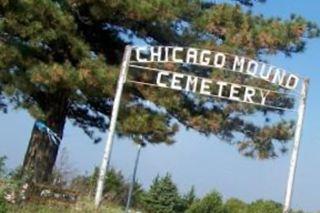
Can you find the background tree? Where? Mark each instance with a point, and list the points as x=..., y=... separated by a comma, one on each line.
x=59, y=60
x=2, y=166
x=85, y=184
x=264, y=207
x=212, y=202
x=115, y=191
x=234, y=205
x=163, y=197
x=189, y=198
x=116, y=187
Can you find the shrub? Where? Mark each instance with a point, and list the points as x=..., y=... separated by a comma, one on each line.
x=3, y=203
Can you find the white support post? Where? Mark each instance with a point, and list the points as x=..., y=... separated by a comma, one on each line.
x=296, y=144
x=112, y=127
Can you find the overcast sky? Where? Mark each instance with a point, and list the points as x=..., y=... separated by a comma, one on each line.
x=206, y=163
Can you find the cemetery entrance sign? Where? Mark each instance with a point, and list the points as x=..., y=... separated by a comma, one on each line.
x=217, y=60
x=218, y=88
x=171, y=60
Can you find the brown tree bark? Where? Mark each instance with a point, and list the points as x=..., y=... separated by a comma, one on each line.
x=41, y=153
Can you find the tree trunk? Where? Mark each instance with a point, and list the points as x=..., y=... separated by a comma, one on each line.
x=41, y=154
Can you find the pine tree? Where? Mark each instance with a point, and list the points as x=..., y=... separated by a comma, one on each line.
x=212, y=202
x=189, y=198
x=163, y=196
x=2, y=166
x=59, y=60
x=234, y=205
x=265, y=206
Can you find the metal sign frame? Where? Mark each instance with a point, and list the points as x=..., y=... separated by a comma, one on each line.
x=123, y=78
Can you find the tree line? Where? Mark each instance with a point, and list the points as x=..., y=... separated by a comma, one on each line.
x=162, y=196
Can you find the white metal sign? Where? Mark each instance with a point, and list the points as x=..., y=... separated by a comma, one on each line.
x=217, y=60
x=145, y=57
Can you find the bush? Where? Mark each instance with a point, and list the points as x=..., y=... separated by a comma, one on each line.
x=210, y=203
x=3, y=203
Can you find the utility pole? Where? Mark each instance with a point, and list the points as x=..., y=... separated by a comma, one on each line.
x=133, y=180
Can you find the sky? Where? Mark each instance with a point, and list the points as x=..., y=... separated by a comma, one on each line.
x=206, y=162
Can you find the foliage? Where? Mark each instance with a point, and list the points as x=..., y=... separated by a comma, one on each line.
x=163, y=196
x=3, y=204
x=234, y=205
x=262, y=206
x=189, y=198
x=15, y=174
x=2, y=166
x=212, y=202
x=85, y=184
x=115, y=190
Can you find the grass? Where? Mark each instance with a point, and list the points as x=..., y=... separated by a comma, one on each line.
x=84, y=205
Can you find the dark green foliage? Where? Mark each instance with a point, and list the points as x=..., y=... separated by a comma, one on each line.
x=249, y=2
x=2, y=166
x=15, y=174
x=3, y=204
x=137, y=196
x=116, y=188
x=234, y=205
x=189, y=198
x=163, y=197
x=212, y=202
x=262, y=206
